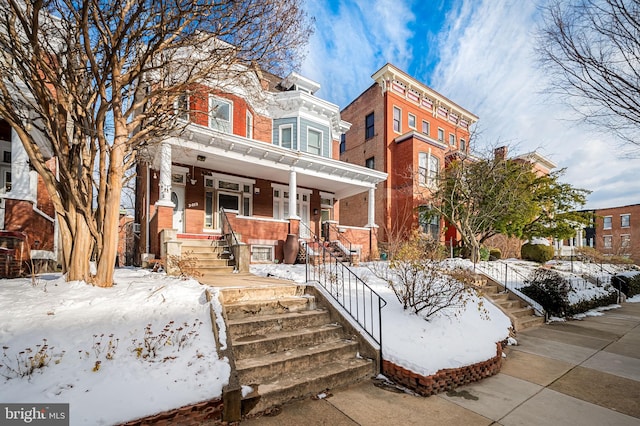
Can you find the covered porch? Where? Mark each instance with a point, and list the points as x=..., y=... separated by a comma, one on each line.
x=192, y=178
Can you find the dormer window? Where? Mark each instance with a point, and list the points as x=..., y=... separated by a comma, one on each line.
x=220, y=113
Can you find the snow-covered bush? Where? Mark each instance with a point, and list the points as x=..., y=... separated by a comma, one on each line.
x=417, y=279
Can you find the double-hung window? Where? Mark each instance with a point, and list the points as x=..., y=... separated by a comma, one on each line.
x=369, y=126
x=220, y=114
x=412, y=121
x=286, y=136
x=425, y=127
x=625, y=220
x=428, y=169
x=397, y=116
x=440, y=135
x=606, y=222
x=314, y=142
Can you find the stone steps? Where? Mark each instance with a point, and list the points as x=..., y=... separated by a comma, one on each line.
x=521, y=314
x=286, y=348
x=208, y=256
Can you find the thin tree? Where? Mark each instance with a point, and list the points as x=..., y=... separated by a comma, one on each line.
x=591, y=50
x=92, y=83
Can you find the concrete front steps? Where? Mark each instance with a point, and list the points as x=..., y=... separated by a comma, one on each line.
x=521, y=314
x=207, y=256
x=287, y=348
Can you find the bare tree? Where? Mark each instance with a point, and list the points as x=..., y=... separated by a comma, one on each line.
x=93, y=82
x=591, y=50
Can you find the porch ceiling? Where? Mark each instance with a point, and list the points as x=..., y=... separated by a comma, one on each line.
x=240, y=156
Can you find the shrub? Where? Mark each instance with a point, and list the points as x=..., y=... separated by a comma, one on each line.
x=630, y=286
x=495, y=254
x=586, y=305
x=536, y=252
x=419, y=283
x=634, y=285
x=550, y=290
x=484, y=253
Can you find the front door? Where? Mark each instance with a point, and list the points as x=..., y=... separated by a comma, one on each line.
x=229, y=201
x=177, y=198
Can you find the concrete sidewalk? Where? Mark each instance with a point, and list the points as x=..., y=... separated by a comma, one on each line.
x=574, y=373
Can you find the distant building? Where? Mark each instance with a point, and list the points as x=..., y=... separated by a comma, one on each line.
x=615, y=231
x=404, y=128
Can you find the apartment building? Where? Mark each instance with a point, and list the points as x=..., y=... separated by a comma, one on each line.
x=403, y=128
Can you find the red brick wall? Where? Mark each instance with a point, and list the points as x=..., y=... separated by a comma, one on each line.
x=616, y=231
x=19, y=216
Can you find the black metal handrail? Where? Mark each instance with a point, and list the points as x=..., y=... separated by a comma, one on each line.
x=229, y=234
x=356, y=297
x=503, y=274
x=313, y=235
x=341, y=239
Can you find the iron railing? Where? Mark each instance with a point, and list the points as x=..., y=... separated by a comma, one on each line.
x=510, y=279
x=341, y=241
x=357, y=299
x=229, y=235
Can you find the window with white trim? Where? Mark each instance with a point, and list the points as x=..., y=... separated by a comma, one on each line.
x=625, y=241
x=314, y=141
x=463, y=145
x=440, y=134
x=181, y=107
x=426, y=127
x=220, y=114
x=607, y=222
x=607, y=241
x=429, y=222
x=428, y=169
x=249, y=125
x=285, y=136
x=397, y=115
x=412, y=121
x=452, y=139
x=625, y=220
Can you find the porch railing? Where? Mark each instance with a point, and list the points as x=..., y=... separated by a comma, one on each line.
x=229, y=235
x=510, y=279
x=358, y=300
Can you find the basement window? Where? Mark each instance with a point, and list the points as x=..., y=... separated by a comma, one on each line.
x=262, y=253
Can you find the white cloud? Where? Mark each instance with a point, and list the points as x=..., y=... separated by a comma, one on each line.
x=485, y=63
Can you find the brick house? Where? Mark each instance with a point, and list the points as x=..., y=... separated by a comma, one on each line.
x=248, y=151
x=614, y=231
x=25, y=205
x=404, y=128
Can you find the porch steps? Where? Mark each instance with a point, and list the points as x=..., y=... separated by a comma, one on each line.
x=286, y=348
x=521, y=314
x=209, y=256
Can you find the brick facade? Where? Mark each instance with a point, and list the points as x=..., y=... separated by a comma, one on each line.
x=618, y=237
x=395, y=146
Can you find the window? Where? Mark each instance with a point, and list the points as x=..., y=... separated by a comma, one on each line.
x=607, y=222
x=625, y=241
x=314, y=141
x=425, y=127
x=625, y=220
x=370, y=163
x=249, y=125
x=220, y=114
x=181, y=106
x=262, y=253
x=428, y=168
x=412, y=121
x=343, y=143
x=463, y=145
x=397, y=114
x=429, y=222
x=285, y=136
x=452, y=139
x=440, y=134
x=607, y=241
x=369, y=127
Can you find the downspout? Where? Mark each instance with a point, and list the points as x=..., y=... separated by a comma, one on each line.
x=147, y=209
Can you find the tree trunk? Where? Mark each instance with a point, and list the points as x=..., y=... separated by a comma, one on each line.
x=77, y=245
x=107, y=256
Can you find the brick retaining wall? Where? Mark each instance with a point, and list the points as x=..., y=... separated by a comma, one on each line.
x=189, y=415
x=443, y=380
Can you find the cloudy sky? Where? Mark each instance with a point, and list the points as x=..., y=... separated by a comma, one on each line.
x=478, y=53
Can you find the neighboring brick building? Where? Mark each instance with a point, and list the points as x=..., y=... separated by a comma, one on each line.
x=617, y=231
x=25, y=205
x=406, y=129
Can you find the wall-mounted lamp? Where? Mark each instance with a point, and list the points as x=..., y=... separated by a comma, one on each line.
x=201, y=158
x=256, y=191
x=315, y=212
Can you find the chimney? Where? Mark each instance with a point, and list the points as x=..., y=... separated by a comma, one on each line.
x=500, y=153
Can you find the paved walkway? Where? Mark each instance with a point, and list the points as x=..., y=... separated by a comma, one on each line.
x=575, y=373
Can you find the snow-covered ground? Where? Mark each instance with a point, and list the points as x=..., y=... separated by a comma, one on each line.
x=146, y=345
x=102, y=358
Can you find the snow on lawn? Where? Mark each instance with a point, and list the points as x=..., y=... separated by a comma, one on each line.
x=95, y=345
x=424, y=347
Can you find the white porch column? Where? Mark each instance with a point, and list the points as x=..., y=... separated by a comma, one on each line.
x=165, y=175
x=20, y=176
x=579, y=238
x=293, y=195
x=371, y=212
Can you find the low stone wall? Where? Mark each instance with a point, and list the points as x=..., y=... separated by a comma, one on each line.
x=443, y=380
x=195, y=415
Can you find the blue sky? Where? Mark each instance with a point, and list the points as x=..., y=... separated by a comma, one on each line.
x=478, y=53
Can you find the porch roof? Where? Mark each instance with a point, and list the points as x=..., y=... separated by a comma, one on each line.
x=238, y=155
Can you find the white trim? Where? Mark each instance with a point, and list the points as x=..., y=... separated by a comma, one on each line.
x=249, y=118
x=281, y=127
x=285, y=188
x=210, y=117
x=415, y=121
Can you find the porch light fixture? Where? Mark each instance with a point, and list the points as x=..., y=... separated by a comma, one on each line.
x=315, y=212
x=201, y=158
x=193, y=175
x=256, y=191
